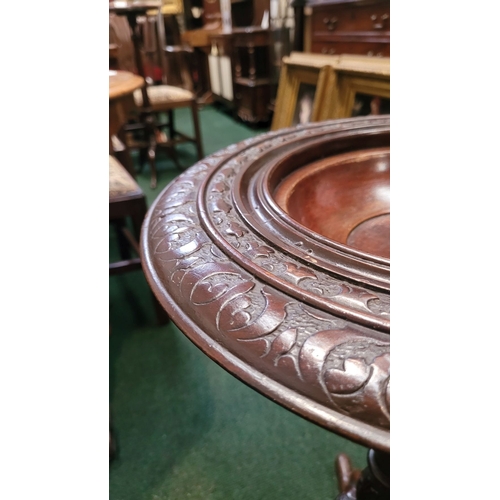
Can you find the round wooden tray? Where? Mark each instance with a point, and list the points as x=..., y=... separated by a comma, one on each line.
x=272, y=256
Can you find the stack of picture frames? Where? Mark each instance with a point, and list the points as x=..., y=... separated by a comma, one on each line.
x=317, y=87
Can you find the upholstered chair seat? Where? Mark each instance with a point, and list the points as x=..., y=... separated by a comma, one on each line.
x=121, y=183
x=164, y=94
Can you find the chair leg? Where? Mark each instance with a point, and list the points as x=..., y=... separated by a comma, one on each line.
x=123, y=154
x=173, y=153
x=171, y=124
x=138, y=217
x=152, y=158
x=197, y=132
x=123, y=244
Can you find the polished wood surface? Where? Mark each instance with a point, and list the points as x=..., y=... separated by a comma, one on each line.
x=119, y=36
x=253, y=86
x=297, y=316
x=122, y=85
x=350, y=27
x=344, y=198
x=297, y=310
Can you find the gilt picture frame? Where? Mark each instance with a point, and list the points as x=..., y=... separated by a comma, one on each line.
x=301, y=92
x=352, y=87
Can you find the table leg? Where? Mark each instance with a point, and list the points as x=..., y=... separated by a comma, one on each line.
x=370, y=484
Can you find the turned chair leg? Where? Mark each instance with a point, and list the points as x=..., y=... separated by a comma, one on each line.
x=152, y=160
x=197, y=130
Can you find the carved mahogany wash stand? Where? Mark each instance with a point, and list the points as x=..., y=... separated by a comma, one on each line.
x=272, y=256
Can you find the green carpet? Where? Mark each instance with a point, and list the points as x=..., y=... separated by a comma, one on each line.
x=185, y=428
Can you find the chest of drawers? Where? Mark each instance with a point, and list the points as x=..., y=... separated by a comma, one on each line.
x=350, y=27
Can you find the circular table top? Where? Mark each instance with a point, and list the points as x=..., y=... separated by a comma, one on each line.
x=300, y=317
x=122, y=83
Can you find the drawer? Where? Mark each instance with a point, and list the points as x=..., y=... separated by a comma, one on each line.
x=359, y=48
x=342, y=19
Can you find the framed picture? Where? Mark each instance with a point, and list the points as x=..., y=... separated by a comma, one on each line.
x=362, y=87
x=361, y=95
x=317, y=87
x=301, y=90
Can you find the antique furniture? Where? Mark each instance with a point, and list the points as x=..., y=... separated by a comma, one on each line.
x=127, y=207
x=244, y=72
x=113, y=56
x=151, y=101
x=119, y=37
x=209, y=12
x=165, y=56
x=240, y=67
x=165, y=98
x=126, y=199
x=272, y=256
x=350, y=27
x=122, y=85
x=199, y=40
x=247, y=76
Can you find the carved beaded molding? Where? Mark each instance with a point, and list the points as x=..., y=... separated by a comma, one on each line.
x=287, y=323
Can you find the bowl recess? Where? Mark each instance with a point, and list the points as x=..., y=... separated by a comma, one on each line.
x=344, y=198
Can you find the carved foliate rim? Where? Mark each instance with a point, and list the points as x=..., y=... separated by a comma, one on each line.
x=300, y=318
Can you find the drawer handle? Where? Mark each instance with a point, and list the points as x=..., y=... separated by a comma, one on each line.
x=379, y=23
x=331, y=23
x=324, y=50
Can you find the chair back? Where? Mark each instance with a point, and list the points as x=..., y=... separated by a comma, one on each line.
x=120, y=37
x=166, y=59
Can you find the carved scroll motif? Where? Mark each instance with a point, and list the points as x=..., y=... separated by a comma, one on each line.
x=229, y=224
x=344, y=365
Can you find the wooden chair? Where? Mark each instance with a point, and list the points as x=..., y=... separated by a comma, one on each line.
x=127, y=201
x=120, y=40
x=164, y=98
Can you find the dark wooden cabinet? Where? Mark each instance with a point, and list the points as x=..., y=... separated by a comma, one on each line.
x=243, y=71
x=350, y=27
